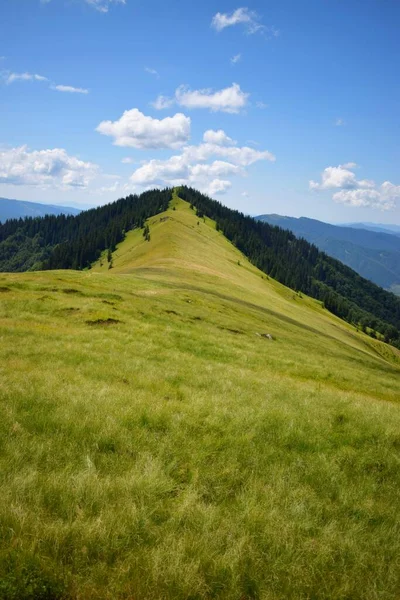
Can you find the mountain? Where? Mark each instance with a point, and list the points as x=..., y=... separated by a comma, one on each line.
x=393, y=229
x=16, y=209
x=182, y=425
x=76, y=242
x=373, y=254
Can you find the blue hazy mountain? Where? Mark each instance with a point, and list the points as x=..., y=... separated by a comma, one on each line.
x=373, y=254
x=394, y=229
x=14, y=209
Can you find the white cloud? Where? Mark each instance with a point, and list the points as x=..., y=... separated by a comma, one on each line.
x=384, y=199
x=242, y=156
x=218, y=168
x=12, y=77
x=45, y=168
x=136, y=130
x=240, y=16
x=69, y=89
x=218, y=137
x=335, y=177
x=218, y=186
x=163, y=102
x=127, y=160
x=230, y=99
x=339, y=122
x=235, y=59
x=205, y=166
x=152, y=72
x=359, y=193
x=261, y=105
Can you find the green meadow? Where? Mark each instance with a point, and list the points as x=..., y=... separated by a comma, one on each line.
x=155, y=444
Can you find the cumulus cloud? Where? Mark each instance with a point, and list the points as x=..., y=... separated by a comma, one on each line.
x=339, y=122
x=69, y=89
x=218, y=186
x=230, y=99
x=136, y=130
x=45, y=168
x=261, y=105
x=241, y=16
x=336, y=177
x=235, y=59
x=242, y=156
x=205, y=166
x=12, y=77
x=218, y=137
x=359, y=193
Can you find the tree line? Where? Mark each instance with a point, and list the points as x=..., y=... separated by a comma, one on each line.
x=75, y=242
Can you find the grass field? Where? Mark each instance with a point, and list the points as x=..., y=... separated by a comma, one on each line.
x=154, y=445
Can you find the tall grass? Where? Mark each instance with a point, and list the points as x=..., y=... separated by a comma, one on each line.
x=153, y=446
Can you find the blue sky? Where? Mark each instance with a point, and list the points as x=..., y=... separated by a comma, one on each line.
x=282, y=106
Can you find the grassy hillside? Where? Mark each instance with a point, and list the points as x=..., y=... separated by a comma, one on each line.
x=154, y=444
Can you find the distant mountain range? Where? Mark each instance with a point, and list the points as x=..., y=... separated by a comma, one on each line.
x=14, y=209
x=372, y=252
x=394, y=229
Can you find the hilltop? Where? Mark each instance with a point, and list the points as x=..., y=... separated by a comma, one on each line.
x=156, y=443
x=76, y=242
x=374, y=254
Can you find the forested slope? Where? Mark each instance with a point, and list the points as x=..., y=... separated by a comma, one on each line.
x=74, y=242
x=375, y=255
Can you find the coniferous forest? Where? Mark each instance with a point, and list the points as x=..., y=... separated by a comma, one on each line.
x=75, y=242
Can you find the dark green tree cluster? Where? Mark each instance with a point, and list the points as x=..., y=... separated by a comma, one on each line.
x=146, y=232
x=74, y=242
x=301, y=266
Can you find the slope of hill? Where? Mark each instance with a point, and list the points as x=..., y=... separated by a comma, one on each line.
x=373, y=254
x=156, y=444
x=75, y=242
x=17, y=209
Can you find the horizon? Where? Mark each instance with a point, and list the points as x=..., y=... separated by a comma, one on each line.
x=338, y=224
x=260, y=107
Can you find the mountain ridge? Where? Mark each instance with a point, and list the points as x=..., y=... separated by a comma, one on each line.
x=78, y=242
